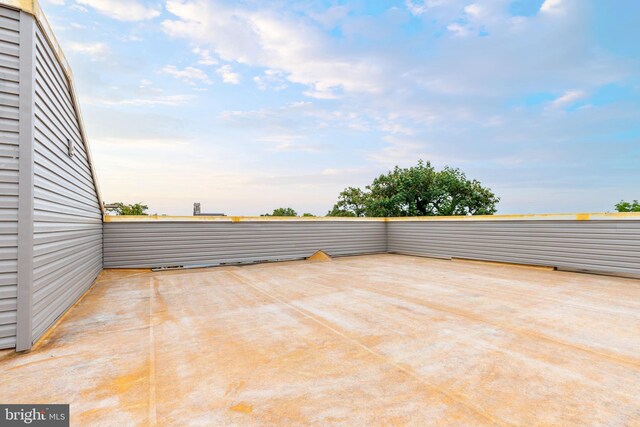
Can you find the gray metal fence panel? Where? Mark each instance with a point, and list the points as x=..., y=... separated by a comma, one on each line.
x=67, y=215
x=9, y=154
x=608, y=246
x=173, y=243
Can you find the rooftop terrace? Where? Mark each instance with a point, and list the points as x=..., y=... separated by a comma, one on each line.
x=383, y=337
x=365, y=340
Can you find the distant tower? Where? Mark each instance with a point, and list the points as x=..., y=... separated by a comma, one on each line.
x=198, y=212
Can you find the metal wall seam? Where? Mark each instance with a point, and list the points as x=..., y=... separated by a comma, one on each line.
x=24, y=336
x=9, y=175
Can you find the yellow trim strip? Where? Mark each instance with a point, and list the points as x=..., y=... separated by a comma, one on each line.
x=159, y=218
x=519, y=217
x=526, y=217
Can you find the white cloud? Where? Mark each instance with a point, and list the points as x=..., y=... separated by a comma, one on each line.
x=341, y=172
x=458, y=29
x=307, y=116
x=332, y=68
x=227, y=74
x=55, y=2
x=274, y=41
x=95, y=51
x=78, y=8
x=440, y=10
x=296, y=147
x=131, y=38
x=148, y=143
x=123, y=10
x=289, y=142
x=331, y=17
x=320, y=94
x=164, y=100
x=417, y=7
x=567, y=98
x=473, y=9
x=401, y=151
x=271, y=79
x=552, y=6
x=189, y=75
x=205, y=56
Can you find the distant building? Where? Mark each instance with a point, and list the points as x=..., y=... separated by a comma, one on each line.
x=110, y=208
x=197, y=212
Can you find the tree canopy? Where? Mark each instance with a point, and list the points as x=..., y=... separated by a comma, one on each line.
x=120, y=208
x=628, y=206
x=419, y=190
x=282, y=212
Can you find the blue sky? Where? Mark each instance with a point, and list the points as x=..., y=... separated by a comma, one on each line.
x=249, y=105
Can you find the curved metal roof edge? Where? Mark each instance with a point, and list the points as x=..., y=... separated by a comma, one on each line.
x=33, y=8
x=516, y=217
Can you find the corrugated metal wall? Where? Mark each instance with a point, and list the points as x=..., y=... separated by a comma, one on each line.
x=609, y=246
x=171, y=243
x=67, y=217
x=9, y=147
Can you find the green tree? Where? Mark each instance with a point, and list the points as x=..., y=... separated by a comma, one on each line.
x=420, y=190
x=120, y=208
x=628, y=206
x=282, y=212
x=307, y=214
x=352, y=201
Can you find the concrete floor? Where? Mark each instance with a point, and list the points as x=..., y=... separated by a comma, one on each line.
x=370, y=340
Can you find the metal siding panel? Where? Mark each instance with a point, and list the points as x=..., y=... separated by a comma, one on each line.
x=9, y=13
x=67, y=216
x=606, y=246
x=156, y=244
x=9, y=142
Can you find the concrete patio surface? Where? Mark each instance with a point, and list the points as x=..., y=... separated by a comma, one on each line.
x=367, y=340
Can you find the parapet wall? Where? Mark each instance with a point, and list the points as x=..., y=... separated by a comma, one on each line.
x=605, y=244
x=185, y=242
x=601, y=243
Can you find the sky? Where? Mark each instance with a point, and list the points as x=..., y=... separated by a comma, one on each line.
x=245, y=106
